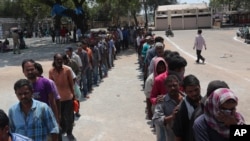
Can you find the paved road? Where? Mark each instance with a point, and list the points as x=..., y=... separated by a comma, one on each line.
x=227, y=58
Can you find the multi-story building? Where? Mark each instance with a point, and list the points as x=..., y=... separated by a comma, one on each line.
x=183, y=16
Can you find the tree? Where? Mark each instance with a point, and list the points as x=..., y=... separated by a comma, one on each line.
x=232, y=4
x=153, y=4
x=59, y=10
x=117, y=8
x=6, y=7
x=32, y=12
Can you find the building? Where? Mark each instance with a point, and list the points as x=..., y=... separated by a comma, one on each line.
x=183, y=16
x=231, y=17
x=6, y=24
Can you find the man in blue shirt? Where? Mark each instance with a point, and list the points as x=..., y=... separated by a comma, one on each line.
x=5, y=134
x=30, y=117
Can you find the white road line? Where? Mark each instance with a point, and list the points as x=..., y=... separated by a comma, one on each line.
x=194, y=57
x=238, y=40
x=179, y=48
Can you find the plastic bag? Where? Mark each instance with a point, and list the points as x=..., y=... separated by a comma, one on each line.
x=76, y=106
x=77, y=91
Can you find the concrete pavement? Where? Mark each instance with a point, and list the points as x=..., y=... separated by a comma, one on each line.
x=115, y=110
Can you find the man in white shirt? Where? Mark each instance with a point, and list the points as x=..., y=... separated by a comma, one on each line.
x=198, y=45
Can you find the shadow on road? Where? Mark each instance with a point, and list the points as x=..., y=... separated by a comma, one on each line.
x=40, y=53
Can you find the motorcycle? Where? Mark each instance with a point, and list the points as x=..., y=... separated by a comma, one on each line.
x=169, y=33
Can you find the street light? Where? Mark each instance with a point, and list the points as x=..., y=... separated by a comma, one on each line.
x=145, y=10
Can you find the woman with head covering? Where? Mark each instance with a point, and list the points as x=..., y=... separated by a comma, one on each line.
x=212, y=86
x=219, y=114
x=160, y=66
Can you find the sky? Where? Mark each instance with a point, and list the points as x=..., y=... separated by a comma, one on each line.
x=193, y=1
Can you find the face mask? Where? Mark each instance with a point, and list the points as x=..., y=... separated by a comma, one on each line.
x=226, y=112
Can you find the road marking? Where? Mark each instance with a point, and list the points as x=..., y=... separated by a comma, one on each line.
x=179, y=48
x=215, y=66
x=238, y=40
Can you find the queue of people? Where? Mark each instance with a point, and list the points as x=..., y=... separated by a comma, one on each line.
x=47, y=107
x=174, y=103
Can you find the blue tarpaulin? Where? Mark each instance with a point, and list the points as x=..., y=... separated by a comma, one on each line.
x=79, y=10
x=58, y=10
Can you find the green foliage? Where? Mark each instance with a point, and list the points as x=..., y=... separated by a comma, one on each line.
x=6, y=9
x=234, y=4
x=106, y=10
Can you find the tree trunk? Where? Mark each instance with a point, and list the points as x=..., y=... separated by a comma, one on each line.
x=57, y=23
x=79, y=19
x=135, y=18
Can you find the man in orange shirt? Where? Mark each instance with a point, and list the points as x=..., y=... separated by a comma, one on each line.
x=90, y=68
x=63, y=79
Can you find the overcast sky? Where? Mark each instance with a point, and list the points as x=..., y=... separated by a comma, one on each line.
x=193, y=1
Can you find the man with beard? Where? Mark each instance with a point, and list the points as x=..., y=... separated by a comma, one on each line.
x=176, y=65
x=184, y=119
x=63, y=79
x=166, y=110
x=30, y=117
x=42, y=89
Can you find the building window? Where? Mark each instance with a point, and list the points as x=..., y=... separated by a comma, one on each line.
x=175, y=12
x=188, y=11
x=200, y=11
x=163, y=13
